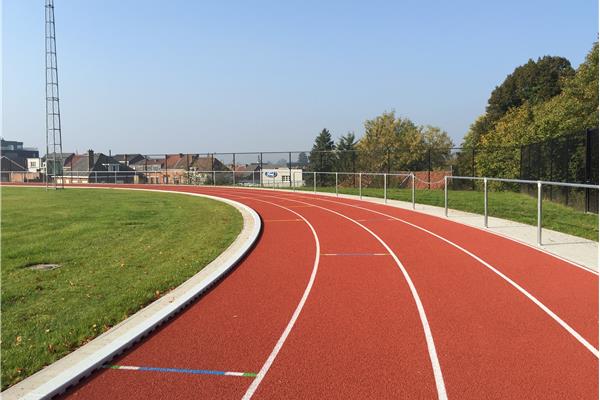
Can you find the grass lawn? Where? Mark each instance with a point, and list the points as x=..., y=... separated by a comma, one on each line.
x=118, y=251
x=508, y=205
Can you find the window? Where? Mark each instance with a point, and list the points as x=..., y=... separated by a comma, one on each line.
x=285, y=178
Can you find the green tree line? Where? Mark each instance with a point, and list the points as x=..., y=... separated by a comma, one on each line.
x=539, y=101
x=389, y=144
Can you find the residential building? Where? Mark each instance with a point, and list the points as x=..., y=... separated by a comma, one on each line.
x=14, y=151
x=98, y=168
x=128, y=159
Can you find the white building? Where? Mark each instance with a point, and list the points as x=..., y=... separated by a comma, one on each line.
x=282, y=177
x=34, y=165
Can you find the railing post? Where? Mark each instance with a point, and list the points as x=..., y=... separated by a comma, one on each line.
x=290, y=167
x=485, y=203
x=446, y=195
x=360, y=185
x=214, y=178
x=314, y=182
x=539, y=213
x=413, y=190
x=336, y=185
x=233, y=169
x=115, y=177
x=385, y=188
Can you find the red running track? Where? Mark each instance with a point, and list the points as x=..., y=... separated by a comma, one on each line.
x=348, y=299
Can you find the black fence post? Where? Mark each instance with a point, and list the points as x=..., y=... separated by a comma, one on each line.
x=551, y=167
x=521, y=163
x=290, y=166
x=354, y=168
x=166, y=179
x=429, y=168
x=388, y=160
x=260, y=177
x=473, y=168
x=588, y=167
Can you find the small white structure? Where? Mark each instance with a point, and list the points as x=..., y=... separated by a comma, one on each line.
x=34, y=165
x=281, y=177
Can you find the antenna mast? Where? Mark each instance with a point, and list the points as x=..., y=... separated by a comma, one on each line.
x=54, y=161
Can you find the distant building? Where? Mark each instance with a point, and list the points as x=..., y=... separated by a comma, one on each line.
x=15, y=152
x=128, y=159
x=35, y=164
x=97, y=168
x=180, y=169
x=281, y=176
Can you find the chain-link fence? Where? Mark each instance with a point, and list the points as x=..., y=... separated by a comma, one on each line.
x=569, y=158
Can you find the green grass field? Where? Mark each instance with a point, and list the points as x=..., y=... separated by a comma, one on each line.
x=118, y=251
x=502, y=204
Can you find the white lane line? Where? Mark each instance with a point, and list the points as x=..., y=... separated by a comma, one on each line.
x=435, y=363
x=234, y=373
x=265, y=368
x=531, y=297
x=129, y=367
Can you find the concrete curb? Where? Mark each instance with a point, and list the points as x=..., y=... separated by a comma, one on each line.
x=69, y=370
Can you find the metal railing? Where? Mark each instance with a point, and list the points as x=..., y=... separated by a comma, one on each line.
x=300, y=180
x=539, y=185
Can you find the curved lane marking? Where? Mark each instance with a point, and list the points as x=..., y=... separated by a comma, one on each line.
x=531, y=297
x=265, y=368
x=435, y=363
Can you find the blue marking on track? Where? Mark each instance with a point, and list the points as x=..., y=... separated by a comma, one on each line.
x=183, y=371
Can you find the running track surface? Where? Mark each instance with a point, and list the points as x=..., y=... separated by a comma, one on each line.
x=345, y=299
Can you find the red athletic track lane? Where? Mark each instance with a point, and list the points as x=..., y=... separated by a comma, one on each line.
x=232, y=328
x=492, y=341
x=359, y=334
x=348, y=316
x=569, y=291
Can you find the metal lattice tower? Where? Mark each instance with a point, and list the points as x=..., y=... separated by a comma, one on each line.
x=54, y=161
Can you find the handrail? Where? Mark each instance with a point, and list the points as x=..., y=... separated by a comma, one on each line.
x=292, y=182
x=526, y=181
x=539, y=184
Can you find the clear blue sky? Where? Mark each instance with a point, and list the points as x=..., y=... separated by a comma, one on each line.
x=190, y=76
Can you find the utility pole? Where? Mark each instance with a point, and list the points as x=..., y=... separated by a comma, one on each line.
x=54, y=161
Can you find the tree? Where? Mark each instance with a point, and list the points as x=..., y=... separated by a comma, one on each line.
x=439, y=146
x=539, y=101
x=321, y=156
x=302, y=160
x=390, y=144
x=533, y=82
x=346, y=155
x=393, y=144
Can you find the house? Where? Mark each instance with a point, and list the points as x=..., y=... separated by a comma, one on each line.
x=248, y=174
x=11, y=171
x=15, y=152
x=34, y=164
x=127, y=159
x=97, y=168
x=45, y=166
x=180, y=169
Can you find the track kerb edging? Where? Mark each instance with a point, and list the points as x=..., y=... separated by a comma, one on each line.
x=56, y=378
